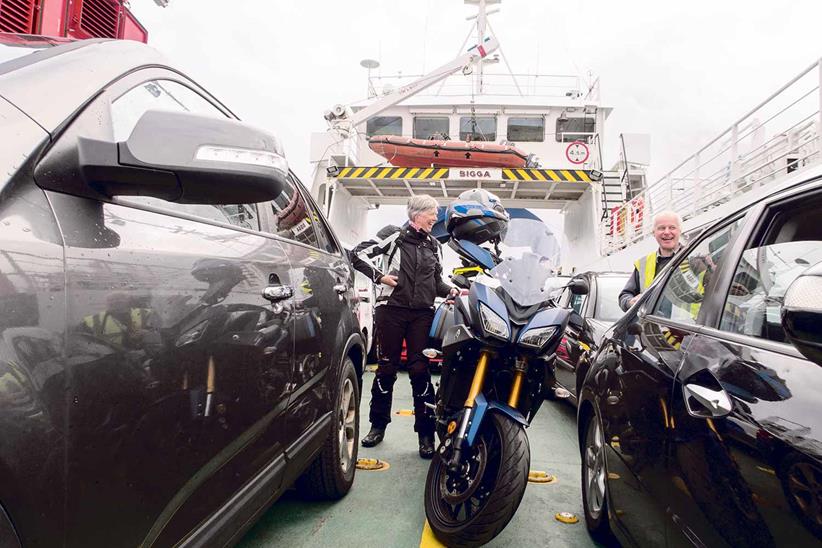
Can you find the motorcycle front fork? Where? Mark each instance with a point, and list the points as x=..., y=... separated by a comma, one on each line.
x=473, y=392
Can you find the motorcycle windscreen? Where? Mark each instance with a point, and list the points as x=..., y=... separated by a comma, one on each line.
x=530, y=253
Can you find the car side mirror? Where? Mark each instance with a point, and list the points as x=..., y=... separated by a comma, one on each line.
x=704, y=396
x=175, y=156
x=802, y=313
x=579, y=286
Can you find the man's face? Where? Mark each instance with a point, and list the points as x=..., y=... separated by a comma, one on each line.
x=426, y=220
x=666, y=232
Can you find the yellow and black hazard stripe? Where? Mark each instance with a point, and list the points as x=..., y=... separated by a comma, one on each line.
x=393, y=173
x=550, y=175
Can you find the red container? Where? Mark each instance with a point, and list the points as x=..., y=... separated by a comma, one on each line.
x=71, y=19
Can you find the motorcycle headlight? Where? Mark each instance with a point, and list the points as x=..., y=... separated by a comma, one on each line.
x=492, y=324
x=537, y=337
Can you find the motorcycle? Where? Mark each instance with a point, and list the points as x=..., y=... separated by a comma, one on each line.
x=497, y=343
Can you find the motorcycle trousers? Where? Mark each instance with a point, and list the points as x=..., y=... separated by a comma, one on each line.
x=393, y=324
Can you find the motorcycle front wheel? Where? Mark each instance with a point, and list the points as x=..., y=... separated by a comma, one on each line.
x=472, y=506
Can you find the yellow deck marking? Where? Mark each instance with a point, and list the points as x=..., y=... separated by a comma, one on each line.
x=370, y=172
x=385, y=171
x=412, y=172
x=566, y=517
x=582, y=175
x=525, y=175
x=539, y=175
x=359, y=171
x=404, y=412
x=441, y=173
x=553, y=175
x=538, y=476
x=568, y=176
x=428, y=540
x=508, y=174
x=372, y=465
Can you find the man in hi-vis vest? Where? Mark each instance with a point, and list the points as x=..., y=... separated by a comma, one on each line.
x=667, y=227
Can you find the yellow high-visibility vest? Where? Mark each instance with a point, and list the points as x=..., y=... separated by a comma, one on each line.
x=113, y=330
x=646, y=266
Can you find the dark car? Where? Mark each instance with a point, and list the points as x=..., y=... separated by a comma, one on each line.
x=700, y=420
x=178, y=342
x=594, y=303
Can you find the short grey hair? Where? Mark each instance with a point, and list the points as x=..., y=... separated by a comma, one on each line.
x=420, y=203
x=668, y=213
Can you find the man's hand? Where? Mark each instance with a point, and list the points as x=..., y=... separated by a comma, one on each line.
x=633, y=300
x=389, y=279
x=451, y=295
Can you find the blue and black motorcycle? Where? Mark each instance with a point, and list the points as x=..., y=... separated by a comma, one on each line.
x=497, y=343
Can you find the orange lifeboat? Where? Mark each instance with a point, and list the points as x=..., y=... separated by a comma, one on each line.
x=408, y=152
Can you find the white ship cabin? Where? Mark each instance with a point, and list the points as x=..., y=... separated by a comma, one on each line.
x=539, y=114
x=557, y=118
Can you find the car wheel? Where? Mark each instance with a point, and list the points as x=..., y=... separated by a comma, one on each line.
x=594, y=478
x=331, y=474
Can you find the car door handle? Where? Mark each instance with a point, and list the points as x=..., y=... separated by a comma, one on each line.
x=706, y=403
x=275, y=293
x=340, y=288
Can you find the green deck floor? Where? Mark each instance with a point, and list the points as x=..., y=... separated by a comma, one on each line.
x=385, y=508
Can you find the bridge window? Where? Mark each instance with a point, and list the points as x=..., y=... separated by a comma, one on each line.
x=575, y=129
x=384, y=125
x=526, y=130
x=478, y=128
x=426, y=127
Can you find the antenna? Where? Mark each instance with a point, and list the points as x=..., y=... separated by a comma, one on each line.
x=370, y=64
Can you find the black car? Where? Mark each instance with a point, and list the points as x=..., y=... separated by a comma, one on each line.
x=700, y=420
x=594, y=303
x=178, y=342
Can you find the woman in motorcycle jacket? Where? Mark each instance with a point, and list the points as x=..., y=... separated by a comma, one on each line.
x=405, y=265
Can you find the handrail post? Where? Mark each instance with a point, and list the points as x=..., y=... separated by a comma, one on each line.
x=734, y=156
x=697, y=187
x=819, y=108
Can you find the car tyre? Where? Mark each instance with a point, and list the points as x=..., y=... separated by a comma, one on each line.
x=594, y=483
x=331, y=474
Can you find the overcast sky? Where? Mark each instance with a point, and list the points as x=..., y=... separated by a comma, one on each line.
x=680, y=71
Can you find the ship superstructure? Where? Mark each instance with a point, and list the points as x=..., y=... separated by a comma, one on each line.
x=607, y=210
x=557, y=118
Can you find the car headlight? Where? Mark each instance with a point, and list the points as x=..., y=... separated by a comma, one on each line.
x=492, y=324
x=537, y=337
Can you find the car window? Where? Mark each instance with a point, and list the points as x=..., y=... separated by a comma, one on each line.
x=608, y=289
x=576, y=303
x=292, y=216
x=127, y=109
x=766, y=269
x=324, y=238
x=681, y=297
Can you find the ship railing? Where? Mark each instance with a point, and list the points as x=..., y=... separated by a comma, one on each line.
x=504, y=85
x=779, y=136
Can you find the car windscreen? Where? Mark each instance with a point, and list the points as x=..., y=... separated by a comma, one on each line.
x=608, y=289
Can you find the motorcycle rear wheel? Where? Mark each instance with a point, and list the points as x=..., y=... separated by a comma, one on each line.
x=472, y=510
